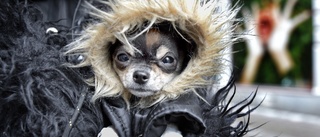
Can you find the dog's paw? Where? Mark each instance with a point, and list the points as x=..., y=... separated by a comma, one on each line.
x=171, y=131
x=108, y=132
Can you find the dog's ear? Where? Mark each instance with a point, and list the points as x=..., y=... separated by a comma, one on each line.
x=186, y=45
x=113, y=47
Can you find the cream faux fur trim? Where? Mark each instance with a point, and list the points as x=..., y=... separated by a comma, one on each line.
x=205, y=22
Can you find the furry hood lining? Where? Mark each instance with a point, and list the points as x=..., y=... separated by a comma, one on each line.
x=204, y=21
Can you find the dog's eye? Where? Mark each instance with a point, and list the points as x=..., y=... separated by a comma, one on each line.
x=123, y=57
x=168, y=59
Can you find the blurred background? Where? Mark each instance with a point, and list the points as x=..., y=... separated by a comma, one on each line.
x=278, y=54
x=266, y=17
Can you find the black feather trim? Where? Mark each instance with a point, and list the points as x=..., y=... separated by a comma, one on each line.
x=38, y=96
x=220, y=117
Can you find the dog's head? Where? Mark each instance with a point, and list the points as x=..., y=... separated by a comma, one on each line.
x=160, y=55
x=154, y=61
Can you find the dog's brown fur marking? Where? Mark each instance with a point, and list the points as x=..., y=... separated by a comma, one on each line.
x=152, y=37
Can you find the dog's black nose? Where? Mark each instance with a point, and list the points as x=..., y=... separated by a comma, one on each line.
x=141, y=77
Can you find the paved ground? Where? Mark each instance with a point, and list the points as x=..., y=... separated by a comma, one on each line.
x=284, y=124
x=287, y=112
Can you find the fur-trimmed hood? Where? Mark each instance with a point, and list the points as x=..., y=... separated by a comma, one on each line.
x=207, y=22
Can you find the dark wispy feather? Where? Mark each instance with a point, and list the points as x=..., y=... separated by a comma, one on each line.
x=38, y=95
x=221, y=117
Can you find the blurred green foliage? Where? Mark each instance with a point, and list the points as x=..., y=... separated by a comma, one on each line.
x=300, y=47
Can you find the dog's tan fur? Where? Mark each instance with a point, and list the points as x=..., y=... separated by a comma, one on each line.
x=152, y=37
x=201, y=21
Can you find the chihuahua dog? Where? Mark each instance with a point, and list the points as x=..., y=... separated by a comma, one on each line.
x=140, y=51
x=161, y=55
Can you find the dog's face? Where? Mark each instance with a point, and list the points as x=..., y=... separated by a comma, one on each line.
x=160, y=59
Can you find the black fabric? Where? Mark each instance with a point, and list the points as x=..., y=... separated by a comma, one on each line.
x=192, y=115
x=184, y=112
x=115, y=111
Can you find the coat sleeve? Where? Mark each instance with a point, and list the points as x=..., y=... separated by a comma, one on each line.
x=116, y=114
x=184, y=112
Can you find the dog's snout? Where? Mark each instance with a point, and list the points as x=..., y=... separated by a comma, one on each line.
x=141, y=77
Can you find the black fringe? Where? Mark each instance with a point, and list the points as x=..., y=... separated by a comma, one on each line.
x=38, y=95
x=220, y=115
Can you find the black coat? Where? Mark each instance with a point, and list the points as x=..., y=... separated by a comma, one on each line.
x=184, y=112
x=39, y=96
x=191, y=114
